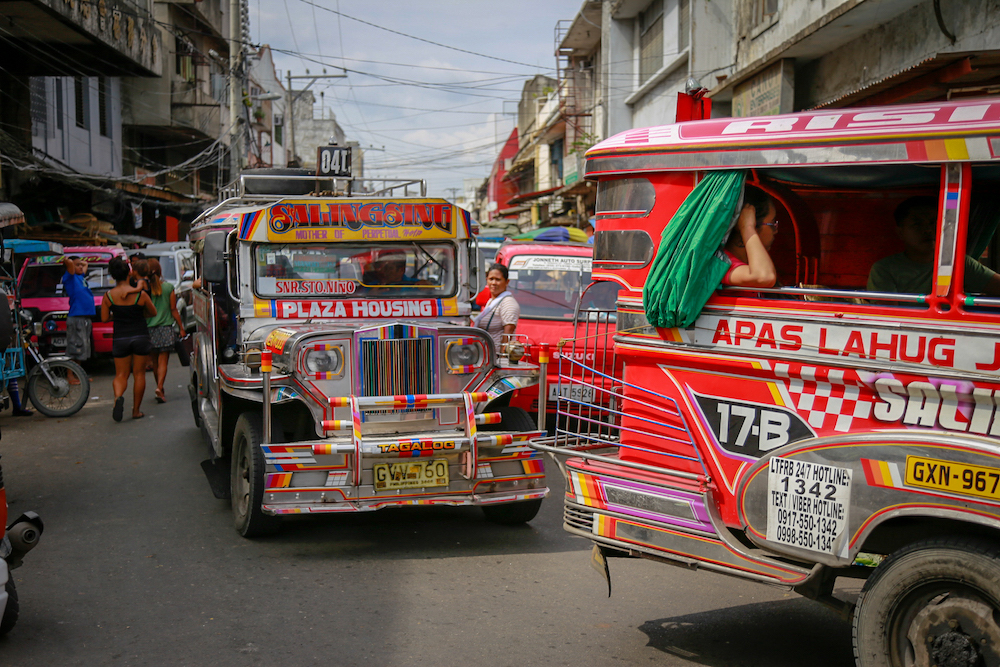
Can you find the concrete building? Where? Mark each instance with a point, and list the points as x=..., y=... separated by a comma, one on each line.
x=315, y=125
x=182, y=115
x=798, y=54
x=267, y=146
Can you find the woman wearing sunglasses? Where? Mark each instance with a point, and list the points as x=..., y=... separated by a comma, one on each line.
x=748, y=244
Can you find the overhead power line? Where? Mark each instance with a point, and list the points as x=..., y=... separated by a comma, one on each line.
x=419, y=39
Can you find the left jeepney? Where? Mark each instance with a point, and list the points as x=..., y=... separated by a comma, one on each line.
x=333, y=368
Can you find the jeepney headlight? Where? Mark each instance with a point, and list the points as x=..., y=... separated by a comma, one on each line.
x=325, y=359
x=464, y=355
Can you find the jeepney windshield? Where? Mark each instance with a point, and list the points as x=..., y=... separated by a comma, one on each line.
x=45, y=280
x=548, y=286
x=306, y=270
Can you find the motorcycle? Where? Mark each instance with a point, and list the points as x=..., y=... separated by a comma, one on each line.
x=57, y=385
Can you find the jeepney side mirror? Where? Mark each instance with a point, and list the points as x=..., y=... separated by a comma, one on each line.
x=214, y=262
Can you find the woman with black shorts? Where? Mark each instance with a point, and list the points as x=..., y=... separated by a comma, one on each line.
x=128, y=307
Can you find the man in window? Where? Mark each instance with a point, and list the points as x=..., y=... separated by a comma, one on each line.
x=911, y=271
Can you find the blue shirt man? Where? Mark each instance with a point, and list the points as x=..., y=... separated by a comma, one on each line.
x=79, y=320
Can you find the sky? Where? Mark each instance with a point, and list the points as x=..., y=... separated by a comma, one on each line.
x=441, y=111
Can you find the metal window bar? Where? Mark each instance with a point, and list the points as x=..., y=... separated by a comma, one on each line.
x=591, y=429
x=615, y=424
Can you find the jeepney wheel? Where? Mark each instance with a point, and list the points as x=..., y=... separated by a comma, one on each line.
x=247, y=479
x=193, y=393
x=510, y=514
x=10, y=613
x=934, y=602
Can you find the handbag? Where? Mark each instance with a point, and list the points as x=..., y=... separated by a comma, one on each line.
x=183, y=348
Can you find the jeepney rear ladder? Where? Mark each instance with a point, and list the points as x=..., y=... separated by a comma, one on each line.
x=589, y=418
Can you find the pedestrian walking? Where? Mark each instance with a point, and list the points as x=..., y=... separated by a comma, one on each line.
x=127, y=307
x=162, y=335
x=80, y=319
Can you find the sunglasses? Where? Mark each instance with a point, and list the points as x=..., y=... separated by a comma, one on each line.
x=772, y=225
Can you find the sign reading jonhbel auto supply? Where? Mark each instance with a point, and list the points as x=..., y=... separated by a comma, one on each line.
x=333, y=161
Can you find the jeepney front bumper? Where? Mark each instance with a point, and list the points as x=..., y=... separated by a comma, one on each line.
x=363, y=470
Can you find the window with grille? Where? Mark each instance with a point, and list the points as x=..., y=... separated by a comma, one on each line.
x=764, y=12
x=39, y=106
x=81, y=99
x=60, y=108
x=650, y=40
x=683, y=25
x=102, y=106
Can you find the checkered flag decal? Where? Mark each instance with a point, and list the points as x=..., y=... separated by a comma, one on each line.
x=830, y=397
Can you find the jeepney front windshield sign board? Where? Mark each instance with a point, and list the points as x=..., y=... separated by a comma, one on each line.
x=337, y=220
x=372, y=271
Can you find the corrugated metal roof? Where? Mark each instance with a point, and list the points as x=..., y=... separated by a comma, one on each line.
x=10, y=214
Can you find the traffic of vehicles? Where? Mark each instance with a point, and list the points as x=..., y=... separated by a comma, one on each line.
x=822, y=428
x=792, y=435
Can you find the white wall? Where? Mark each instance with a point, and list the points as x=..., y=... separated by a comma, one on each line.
x=82, y=149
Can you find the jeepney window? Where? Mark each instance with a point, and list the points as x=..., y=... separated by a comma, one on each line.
x=548, y=286
x=308, y=270
x=625, y=198
x=623, y=249
x=45, y=280
x=866, y=235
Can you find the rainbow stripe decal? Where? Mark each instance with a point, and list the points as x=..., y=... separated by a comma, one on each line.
x=533, y=467
x=942, y=150
x=882, y=474
x=278, y=480
x=249, y=223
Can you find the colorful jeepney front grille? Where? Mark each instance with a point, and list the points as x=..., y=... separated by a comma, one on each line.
x=397, y=367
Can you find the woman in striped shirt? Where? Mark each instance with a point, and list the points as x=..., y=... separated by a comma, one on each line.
x=500, y=314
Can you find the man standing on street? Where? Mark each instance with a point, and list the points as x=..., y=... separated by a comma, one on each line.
x=79, y=321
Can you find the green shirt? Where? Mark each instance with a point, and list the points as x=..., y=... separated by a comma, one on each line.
x=898, y=274
x=163, y=315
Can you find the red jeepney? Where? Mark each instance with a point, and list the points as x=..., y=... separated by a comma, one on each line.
x=550, y=281
x=825, y=427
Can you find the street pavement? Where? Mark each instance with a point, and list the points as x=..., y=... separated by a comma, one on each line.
x=139, y=565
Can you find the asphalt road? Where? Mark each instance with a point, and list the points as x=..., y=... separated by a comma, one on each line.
x=139, y=565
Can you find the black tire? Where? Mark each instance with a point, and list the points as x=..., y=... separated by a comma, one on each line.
x=511, y=419
x=933, y=602
x=511, y=514
x=13, y=608
x=193, y=394
x=64, y=398
x=247, y=479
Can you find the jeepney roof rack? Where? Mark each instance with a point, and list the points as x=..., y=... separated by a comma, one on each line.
x=256, y=185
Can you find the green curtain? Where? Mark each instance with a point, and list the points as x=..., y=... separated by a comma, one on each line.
x=687, y=269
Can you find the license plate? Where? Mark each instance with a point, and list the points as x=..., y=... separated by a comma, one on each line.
x=576, y=392
x=961, y=478
x=411, y=475
x=59, y=342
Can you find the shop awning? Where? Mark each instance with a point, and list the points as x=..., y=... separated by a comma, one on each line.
x=949, y=75
x=528, y=196
x=10, y=214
